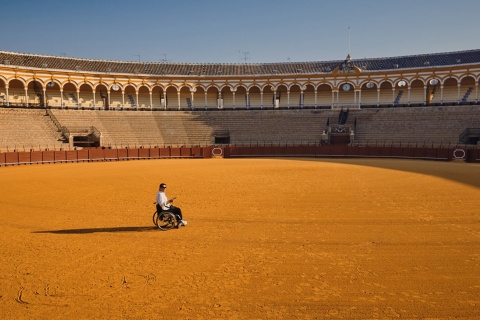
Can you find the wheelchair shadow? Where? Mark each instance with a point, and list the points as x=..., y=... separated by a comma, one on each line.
x=99, y=230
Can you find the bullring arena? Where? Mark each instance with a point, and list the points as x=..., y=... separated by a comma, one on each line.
x=323, y=190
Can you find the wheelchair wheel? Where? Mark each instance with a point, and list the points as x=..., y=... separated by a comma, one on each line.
x=154, y=217
x=166, y=221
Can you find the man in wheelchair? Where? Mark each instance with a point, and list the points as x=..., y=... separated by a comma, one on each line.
x=163, y=204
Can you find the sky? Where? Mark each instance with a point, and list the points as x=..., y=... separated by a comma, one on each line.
x=240, y=31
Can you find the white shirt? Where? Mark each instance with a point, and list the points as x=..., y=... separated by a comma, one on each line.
x=162, y=200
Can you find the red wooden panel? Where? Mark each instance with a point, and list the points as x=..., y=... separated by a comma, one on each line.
x=110, y=154
x=132, y=153
x=197, y=152
x=175, y=152
x=60, y=156
x=154, y=152
x=165, y=152
x=24, y=157
x=122, y=154
x=82, y=155
x=144, y=153
x=96, y=154
x=2, y=158
x=71, y=155
x=419, y=152
x=11, y=157
x=48, y=156
x=186, y=152
x=408, y=152
x=207, y=152
x=431, y=153
x=352, y=151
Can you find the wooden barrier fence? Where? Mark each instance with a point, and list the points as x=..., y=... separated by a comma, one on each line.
x=100, y=154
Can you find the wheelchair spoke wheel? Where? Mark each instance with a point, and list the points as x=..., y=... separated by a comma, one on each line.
x=166, y=221
x=154, y=217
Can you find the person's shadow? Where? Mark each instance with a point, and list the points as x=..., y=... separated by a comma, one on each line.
x=99, y=230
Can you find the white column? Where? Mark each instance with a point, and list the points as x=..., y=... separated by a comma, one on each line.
x=233, y=93
x=476, y=92
x=409, y=95
x=123, y=98
x=61, y=99
x=151, y=99
x=78, y=97
x=6, y=90
x=315, y=98
x=26, y=96
x=441, y=94
x=393, y=95
x=45, y=97
x=178, y=98
x=108, y=99
x=424, y=95
x=206, y=99
x=136, y=102
x=193, y=105
x=458, y=96
x=219, y=99
x=288, y=98
x=261, y=99
x=94, y=98
x=378, y=96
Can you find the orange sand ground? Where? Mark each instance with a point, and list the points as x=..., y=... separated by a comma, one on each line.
x=266, y=239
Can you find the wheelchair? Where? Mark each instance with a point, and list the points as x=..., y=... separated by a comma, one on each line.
x=165, y=220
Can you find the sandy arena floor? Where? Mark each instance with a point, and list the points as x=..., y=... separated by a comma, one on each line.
x=266, y=239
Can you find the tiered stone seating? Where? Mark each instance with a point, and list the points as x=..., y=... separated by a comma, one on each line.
x=430, y=125
x=25, y=129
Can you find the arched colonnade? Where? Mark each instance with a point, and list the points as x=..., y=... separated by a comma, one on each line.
x=52, y=92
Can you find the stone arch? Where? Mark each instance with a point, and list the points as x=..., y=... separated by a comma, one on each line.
x=69, y=94
x=85, y=95
x=386, y=93
x=346, y=93
x=417, y=92
x=158, y=96
x=281, y=95
x=144, y=96
x=199, y=96
x=211, y=96
x=3, y=91
x=16, y=92
x=130, y=96
x=309, y=95
x=242, y=100
x=226, y=100
x=369, y=92
x=185, y=97
x=35, y=92
x=324, y=94
x=467, y=89
x=101, y=95
x=268, y=96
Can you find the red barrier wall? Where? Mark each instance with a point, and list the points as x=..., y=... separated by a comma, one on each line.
x=122, y=154
x=60, y=156
x=110, y=154
x=48, y=156
x=143, y=153
x=99, y=154
x=71, y=155
x=24, y=157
